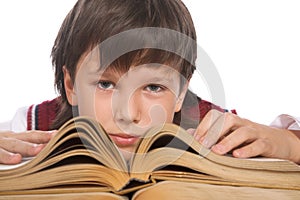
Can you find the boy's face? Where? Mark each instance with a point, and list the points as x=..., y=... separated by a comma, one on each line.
x=125, y=103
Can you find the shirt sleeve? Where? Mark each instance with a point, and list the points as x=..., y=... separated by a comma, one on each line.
x=18, y=122
x=286, y=122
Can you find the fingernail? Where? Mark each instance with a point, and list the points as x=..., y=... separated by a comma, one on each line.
x=201, y=139
x=12, y=154
x=53, y=132
x=38, y=146
x=197, y=137
x=218, y=148
x=191, y=131
x=205, y=143
x=237, y=153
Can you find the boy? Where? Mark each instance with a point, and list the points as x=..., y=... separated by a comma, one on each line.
x=130, y=91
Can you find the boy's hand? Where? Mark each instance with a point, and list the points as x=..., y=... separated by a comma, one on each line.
x=14, y=146
x=225, y=132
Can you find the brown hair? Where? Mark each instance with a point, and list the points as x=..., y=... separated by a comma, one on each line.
x=91, y=22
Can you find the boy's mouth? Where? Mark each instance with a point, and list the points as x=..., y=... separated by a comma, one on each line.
x=124, y=140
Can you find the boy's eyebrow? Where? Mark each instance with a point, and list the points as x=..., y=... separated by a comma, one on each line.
x=111, y=73
x=160, y=79
x=96, y=71
x=106, y=73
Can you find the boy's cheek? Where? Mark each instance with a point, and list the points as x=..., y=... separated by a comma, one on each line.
x=157, y=115
x=90, y=104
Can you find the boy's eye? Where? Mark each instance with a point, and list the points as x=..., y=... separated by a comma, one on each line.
x=105, y=85
x=154, y=88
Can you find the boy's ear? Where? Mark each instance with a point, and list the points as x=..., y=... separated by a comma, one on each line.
x=69, y=88
x=181, y=97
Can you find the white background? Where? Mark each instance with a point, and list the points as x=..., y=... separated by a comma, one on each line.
x=254, y=44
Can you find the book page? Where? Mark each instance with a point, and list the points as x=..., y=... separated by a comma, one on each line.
x=7, y=167
x=184, y=190
x=66, y=196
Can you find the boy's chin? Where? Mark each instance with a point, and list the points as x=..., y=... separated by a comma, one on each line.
x=127, y=154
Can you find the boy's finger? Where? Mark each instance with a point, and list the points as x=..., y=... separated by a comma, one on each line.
x=223, y=125
x=253, y=149
x=206, y=123
x=37, y=137
x=242, y=135
x=9, y=158
x=24, y=148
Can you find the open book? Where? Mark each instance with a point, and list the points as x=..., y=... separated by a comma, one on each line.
x=81, y=158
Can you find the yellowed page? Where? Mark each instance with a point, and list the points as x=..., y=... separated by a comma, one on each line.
x=183, y=190
x=68, y=196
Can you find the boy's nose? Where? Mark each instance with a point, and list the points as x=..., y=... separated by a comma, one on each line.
x=126, y=108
